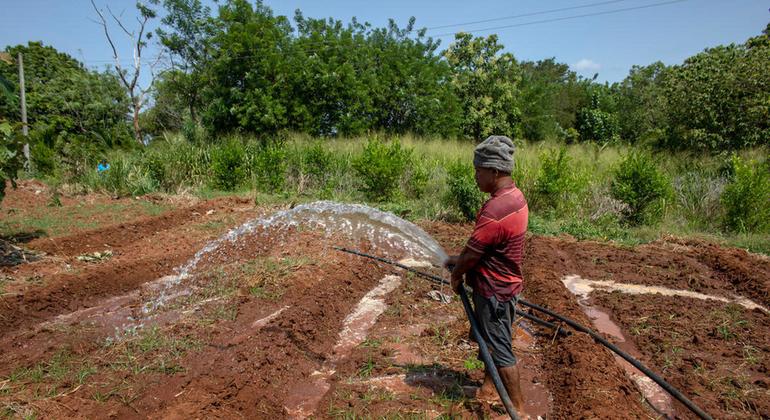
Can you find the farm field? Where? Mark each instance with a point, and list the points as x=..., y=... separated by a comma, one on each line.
x=121, y=316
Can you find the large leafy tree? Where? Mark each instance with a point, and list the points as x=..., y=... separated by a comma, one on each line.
x=549, y=98
x=248, y=75
x=64, y=99
x=487, y=83
x=641, y=103
x=186, y=34
x=718, y=99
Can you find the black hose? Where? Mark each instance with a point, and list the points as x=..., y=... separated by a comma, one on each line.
x=487, y=358
x=598, y=338
x=652, y=375
x=544, y=323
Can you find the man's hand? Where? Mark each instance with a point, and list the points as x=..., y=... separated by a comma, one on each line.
x=457, y=282
x=451, y=262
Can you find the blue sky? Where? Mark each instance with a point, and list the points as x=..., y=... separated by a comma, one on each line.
x=608, y=44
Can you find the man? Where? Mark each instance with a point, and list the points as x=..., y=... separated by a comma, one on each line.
x=491, y=261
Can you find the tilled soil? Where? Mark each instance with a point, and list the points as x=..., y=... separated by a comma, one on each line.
x=255, y=330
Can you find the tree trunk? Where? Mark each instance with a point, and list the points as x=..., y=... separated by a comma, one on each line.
x=137, y=130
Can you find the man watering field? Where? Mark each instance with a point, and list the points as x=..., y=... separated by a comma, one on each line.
x=491, y=261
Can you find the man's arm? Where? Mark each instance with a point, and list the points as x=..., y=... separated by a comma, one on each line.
x=462, y=263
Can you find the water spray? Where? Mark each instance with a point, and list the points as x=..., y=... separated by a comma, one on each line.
x=485, y=351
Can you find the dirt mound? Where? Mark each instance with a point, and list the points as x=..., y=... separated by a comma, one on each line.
x=143, y=250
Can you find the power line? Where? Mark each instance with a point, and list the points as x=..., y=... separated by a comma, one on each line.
x=542, y=12
x=537, y=22
x=318, y=46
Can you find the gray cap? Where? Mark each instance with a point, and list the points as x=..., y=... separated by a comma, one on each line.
x=496, y=152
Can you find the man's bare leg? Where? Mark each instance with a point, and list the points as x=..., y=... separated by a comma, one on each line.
x=511, y=381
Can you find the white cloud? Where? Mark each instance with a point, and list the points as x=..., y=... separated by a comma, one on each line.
x=586, y=64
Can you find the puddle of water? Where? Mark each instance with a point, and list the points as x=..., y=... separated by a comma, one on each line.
x=658, y=398
x=583, y=287
x=303, y=399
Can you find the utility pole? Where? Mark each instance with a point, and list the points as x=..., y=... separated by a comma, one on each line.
x=23, y=98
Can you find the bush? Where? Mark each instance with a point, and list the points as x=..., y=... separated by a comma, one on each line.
x=597, y=125
x=643, y=187
x=746, y=197
x=557, y=181
x=268, y=166
x=381, y=166
x=463, y=193
x=417, y=178
x=43, y=159
x=317, y=164
x=227, y=165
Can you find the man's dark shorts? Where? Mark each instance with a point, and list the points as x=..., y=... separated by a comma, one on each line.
x=495, y=320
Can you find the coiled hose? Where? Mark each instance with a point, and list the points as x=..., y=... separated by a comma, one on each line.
x=598, y=338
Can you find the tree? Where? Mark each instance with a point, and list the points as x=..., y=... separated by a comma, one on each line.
x=550, y=95
x=65, y=99
x=186, y=36
x=11, y=156
x=247, y=85
x=139, y=38
x=486, y=83
x=642, y=106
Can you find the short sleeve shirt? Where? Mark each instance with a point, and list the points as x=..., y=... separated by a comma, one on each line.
x=501, y=226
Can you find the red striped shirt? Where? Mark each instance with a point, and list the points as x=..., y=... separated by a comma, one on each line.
x=499, y=236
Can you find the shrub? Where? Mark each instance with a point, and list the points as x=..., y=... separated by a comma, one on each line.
x=268, y=166
x=597, y=125
x=317, y=163
x=381, y=165
x=557, y=181
x=43, y=159
x=463, y=192
x=417, y=177
x=643, y=187
x=746, y=197
x=227, y=165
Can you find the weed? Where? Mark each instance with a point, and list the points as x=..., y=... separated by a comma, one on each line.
x=376, y=394
x=373, y=343
x=473, y=363
x=751, y=355
x=365, y=370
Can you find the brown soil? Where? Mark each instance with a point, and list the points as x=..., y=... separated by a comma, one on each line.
x=254, y=330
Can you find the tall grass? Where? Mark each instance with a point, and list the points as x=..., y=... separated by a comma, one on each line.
x=568, y=186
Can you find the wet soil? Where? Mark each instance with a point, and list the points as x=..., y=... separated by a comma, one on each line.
x=259, y=327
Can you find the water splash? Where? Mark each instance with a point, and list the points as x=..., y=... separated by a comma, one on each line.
x=356, y=222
